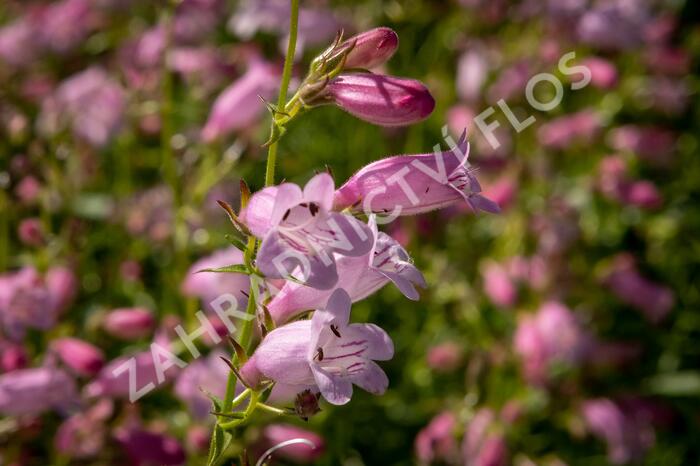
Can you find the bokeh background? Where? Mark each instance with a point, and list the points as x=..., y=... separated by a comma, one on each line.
x=563, y=331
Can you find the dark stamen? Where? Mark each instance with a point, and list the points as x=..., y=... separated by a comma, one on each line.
x=335, y=331
x=313, y=208
x=319, y=354
x=286, y=214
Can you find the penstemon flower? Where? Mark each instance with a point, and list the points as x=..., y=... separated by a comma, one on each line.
x=371, y=48
x=326, y=352
x=300, y=235
x=413, y=184
x=358, y=276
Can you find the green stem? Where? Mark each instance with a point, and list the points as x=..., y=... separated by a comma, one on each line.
x=282, y=100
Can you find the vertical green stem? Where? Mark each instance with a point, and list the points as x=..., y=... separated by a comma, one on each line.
x=282, y=100
x=269, y=180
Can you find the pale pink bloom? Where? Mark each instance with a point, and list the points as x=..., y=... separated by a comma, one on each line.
x=325, y=352
x=129, y=323
x=472, y=72
x=436, y=441
x=613, y=25
x=511, y=83
x=28, y=189
x=372, y=48
x=358, y=276
x=300, y=235
x=202, y=376
x=65, y=24
x=19, y=43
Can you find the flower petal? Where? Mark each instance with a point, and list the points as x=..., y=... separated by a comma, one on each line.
x=282, y=355
x=287, y=196
x=335, y=389
x=258, y=213
x=377, y=342
x=347, y=235
x=320, y=189
x=371, y=378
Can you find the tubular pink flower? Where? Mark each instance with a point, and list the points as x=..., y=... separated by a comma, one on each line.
x=358, y=276
x=381, y=100
x=82, y=357
x=372, y=48
x=325, y=352
x=300, y=233
x=413, y=184
x=129, y=323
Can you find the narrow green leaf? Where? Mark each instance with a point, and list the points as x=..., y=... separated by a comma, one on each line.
x=234, y=268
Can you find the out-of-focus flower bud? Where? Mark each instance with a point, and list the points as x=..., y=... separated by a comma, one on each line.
x=378, y=99
x=33, y=391
x=482, y=445
x=144, y=447
x=436, y=441
x=28, y=189
x=603, y=73
x=14, y=357
x=651, y=143
x=499, y=286
x=129, y=323
x=83, y=434
x=30, y=232
x=81, y=357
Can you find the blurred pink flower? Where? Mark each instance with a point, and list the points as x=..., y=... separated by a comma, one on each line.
x=129, y=323
x=208, y=286
x=498, y=285
x=13, y=356
x=551, y=336
x=616, y=185
x=28, y=189
x=472, y=71
x=91, y=101
x=444, y=357
x=654, y=300
x=274, y=434
x=668, y=60
x=66, y=24
x=613, y=25
x=31, y=232
x=510, y=83
x=604, y=73
x=564, y=131
x=146, y=448
x=83, y=434
x=651, y=143
x=19, y=44
x=239, y=106
x=80, y=356
x=202, y=376
x=33, y=391
x=436, y=441
x=482, y=444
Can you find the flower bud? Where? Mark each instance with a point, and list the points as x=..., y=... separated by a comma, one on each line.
x=30, y=232
x=275, y=434
x=129, y=323
x=382, y=100
x=82, y=357
x=372, y=48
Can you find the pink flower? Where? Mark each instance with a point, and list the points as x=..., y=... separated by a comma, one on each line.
x=499, y=286
x=239, y=105
x=208, y=286
x=564, y=131
x=33, y=391
x=129, y=323
x=482, y=446
x=13, y=356
x=604, y=74
x=80, y=356
x=381, y=100
x=299, y=233
x=413, y=184
x=326, y=353
x=31, y=232
x=655, y=301
x=436, y=441
x=627, y=439
x=358, y=276
x=615, y=185
x=274, y=434
x=651, y=143
x=553, y=335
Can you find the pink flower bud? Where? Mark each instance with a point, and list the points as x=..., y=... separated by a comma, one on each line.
x=381, y=100
x=28, y=190
x=82, y=357
x=14, y=357
x=129, y=323
x=372, y=48
x=651, y=143
x=144, y=447
x=436, y=441
x=499, y=286
x=603, y=73
x=30, y=232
